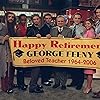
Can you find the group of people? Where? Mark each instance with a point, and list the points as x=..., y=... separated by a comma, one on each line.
x=90, y=29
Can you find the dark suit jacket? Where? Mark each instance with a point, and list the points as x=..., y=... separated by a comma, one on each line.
x=32, y=31
x=45, y=29
x=67, y=32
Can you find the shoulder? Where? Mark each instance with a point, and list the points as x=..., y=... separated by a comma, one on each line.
x=54, y=28
x=44, y=26
x=4, y=26
x=17, y=26
x=81, y=26
x=67, y=28
x=30, y=27
x=71, y=26
x=91, y=30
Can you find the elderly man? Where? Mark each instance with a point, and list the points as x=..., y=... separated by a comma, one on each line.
x=61, y=30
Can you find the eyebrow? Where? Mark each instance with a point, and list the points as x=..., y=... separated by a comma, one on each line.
x=97, y=11
x=11, y=16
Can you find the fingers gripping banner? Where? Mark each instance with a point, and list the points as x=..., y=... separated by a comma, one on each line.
x=58, y=52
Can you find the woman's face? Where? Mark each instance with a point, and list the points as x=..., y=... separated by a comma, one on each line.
x=98, y=13
x=88, y=25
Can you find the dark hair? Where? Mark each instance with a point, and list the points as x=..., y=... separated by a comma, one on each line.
x=11, y=26
x=21, y=16
x=77, y=13
x=48, y=14
x=98, y=7
x=9, y=13
x=34, y=16
x=90, y=20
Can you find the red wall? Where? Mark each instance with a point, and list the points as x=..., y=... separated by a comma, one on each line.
x=85, y=13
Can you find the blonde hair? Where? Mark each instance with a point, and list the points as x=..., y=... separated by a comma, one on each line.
x=60, y=16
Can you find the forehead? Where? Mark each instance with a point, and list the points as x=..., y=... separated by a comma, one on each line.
x=98, y=10
x=23, y=16
x=36, y=17
x=48, y=16
x=77, y=16
x=60, y=18
x=88, y=22
x=11, y=15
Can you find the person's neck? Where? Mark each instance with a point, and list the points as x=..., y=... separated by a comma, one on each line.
x=36, y=25
x=77, y=24
x=10, y=23
x=23, y=24
x=60, y=26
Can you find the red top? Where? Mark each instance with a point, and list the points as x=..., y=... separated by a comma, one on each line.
x=21, y=30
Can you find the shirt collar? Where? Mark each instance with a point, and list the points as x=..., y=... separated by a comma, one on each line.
x=60, y=28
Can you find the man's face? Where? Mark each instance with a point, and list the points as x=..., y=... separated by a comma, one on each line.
x=10, y=18
x=48, y=19
x=60, y=22
x=77, y=19
x=98, y=13
x=36, y=20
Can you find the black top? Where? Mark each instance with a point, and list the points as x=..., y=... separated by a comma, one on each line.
x=33, y=30
x=45, y=29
